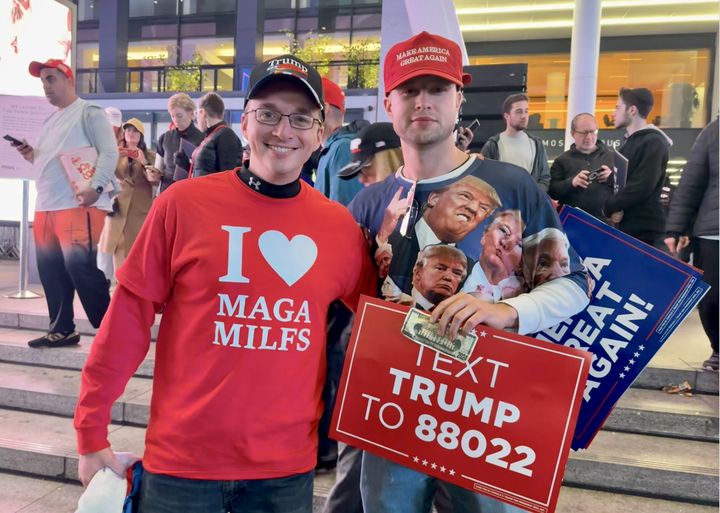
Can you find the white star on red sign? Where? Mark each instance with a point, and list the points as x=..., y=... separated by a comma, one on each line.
x=425, y=462
x=442, y=469
x=416, y=459
x=433, y=466
x=451, y=472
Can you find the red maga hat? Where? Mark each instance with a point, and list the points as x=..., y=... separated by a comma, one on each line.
x=333, y=94
x=58, y=64
x=424, y=54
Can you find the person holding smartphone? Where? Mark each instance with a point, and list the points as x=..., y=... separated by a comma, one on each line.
x=583, y=176
x=131, y=206
x=465, y=135
x=68, y=222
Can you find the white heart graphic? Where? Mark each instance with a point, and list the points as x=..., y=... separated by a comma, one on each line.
x=290, y=259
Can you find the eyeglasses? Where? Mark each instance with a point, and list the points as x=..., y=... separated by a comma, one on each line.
x=272, y=118
x=586, y=133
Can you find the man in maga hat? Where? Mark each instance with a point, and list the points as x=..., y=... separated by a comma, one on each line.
x=423, y=82
x=243, y=264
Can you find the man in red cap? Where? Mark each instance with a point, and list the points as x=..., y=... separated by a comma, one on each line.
x=243, y=264
x=68, y=218
x=423, y=83
x=336, y=152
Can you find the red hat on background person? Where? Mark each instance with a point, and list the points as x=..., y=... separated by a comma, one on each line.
x=333, y=94
x=424, y=54
x=35, y=67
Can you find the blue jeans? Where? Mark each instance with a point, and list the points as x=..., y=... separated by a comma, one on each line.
x=387, y=487
x=165, y=494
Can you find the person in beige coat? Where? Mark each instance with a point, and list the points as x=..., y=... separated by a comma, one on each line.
x=132, y=204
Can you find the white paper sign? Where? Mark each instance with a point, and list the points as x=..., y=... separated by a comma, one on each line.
x=22, y=117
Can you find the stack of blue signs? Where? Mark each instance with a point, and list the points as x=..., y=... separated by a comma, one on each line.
x=640, y=296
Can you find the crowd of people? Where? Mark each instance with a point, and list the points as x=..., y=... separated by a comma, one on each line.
x=257, y=272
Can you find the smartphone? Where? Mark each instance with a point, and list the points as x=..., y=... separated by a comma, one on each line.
x=13, y=141
x=595, y=175
x=132, y=153
x=475, y=123
x=472, y=126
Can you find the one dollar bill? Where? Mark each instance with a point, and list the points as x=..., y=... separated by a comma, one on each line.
x=418, y=328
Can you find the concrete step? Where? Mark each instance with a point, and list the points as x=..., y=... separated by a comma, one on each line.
x=655, y=412
x=55, y=391
x=27, y=494
x=579, y=500
x=44, y=445
x=17, y=318
x=14, y=349
x=684, y=470
x=655, y=377
x=680, y=470
x=49, y=390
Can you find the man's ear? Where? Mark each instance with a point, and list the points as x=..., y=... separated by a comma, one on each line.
x=416, y=273
x=388, y=106
x=320, y=134
x=432, y=199
x=243, y=122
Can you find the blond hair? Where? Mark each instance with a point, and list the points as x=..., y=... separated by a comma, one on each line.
x=181, y=100
x=386, y=162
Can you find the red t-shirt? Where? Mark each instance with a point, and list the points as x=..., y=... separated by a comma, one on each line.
x=246, y=281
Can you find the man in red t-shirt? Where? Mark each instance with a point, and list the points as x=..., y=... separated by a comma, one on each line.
x=243, y=265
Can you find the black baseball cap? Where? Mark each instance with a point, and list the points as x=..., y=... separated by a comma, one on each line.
x=286, y=66
x=370, y=140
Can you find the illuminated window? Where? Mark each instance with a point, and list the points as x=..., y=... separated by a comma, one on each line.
x=679, y=80
x=152, y=53
x=219, y=51
x=88, y=55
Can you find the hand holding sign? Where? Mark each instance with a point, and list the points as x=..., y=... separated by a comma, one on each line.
x=498, y=423
x=418, y=328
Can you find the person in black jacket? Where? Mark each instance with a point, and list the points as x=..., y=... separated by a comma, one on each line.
x=171, y=161
x=637, y=208
x=582, y=176
x=221, y=148
x=694, y=205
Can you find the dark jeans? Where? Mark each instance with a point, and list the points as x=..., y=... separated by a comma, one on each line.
x=165, y=494
x=345, y=496
x=706, y=258
x=339, y=325
x=66, y=244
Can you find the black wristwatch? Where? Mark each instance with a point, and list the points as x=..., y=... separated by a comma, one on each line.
x=99, y=189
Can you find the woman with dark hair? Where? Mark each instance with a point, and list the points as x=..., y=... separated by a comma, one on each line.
x=132, y=204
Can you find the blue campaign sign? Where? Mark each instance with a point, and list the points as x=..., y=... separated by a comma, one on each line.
x=640, y=296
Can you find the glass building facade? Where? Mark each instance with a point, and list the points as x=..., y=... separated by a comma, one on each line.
x=210, y=45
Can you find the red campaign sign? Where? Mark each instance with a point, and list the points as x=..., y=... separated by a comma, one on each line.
x=499, y=424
